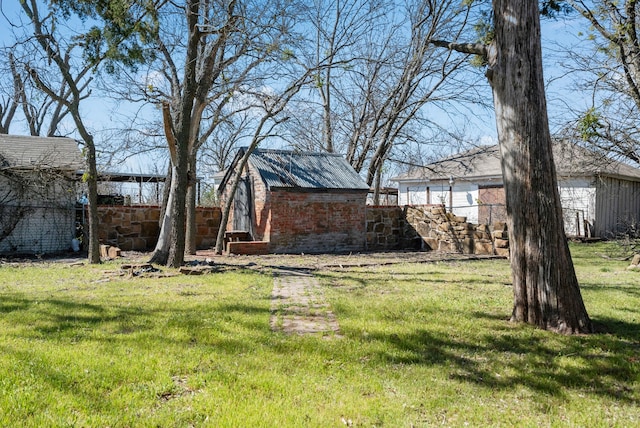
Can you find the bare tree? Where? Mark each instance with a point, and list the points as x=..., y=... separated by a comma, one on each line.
x=221, y=140
x=11, y=90
x=612, y=65
x=546, y=291
x=76, y=80
x=338, y=27
x=268, y=109
x=43, y=114
x=379, y=76
x=203, y=71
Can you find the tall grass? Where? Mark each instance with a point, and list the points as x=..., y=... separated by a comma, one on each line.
x=420, y=345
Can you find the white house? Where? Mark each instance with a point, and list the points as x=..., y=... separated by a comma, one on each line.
x=600, y=196
x=37, y=193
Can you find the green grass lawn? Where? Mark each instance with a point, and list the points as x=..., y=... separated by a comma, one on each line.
x=420, y=345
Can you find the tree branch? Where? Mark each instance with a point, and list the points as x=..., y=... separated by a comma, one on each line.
x=468, y=48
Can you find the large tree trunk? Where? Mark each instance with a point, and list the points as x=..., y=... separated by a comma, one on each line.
x=176, y=250
x=546, y=291
x=161, y=252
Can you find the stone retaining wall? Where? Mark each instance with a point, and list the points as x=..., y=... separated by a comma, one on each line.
x=439, y=230
x=136, y=227
x=427, y=227
x=384, y=228
x=431, y=227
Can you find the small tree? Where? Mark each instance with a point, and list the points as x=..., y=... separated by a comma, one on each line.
x=76, y=58
x=202, y=71
x=268, y=107
x=76, y=80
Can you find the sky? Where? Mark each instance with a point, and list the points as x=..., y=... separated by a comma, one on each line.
x=478, y=124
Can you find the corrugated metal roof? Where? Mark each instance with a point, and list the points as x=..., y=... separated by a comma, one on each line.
x=19, y=151
x=483, y=162
x=305, y=170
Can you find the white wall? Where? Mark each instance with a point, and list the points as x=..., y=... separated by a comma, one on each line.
x=412, y=194
x=617, y=206
x=578, y=199
x=465, y=196
x=607, y=204
x=465, y=201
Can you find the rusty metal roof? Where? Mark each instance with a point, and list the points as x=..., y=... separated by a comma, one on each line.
x=27, y=152
x=305, y=170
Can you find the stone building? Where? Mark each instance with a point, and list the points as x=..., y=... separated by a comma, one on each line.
x=298, y=202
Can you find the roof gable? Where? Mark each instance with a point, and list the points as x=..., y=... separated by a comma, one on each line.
x=302, y=170
x=27, y=152
x=484, y=162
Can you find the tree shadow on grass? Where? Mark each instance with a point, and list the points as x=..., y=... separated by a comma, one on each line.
x=628, y=332
x=597, y=364
x=52, y=331
x=633, y=292
x=10, y=304
x=61, y=320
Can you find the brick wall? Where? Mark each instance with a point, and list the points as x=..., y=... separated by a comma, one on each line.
x=328, y=221
x=136, y=227
x=317, y=222
x=262, y=209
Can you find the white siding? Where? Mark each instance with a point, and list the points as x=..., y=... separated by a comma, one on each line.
x=609, y=205
x=465, y=201
x=465, y=196
x=412, y=194
x=578, y=199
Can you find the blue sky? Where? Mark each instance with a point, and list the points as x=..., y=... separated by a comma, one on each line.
x=479, y=124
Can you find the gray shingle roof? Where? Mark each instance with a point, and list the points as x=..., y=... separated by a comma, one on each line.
x=479, y=162
x=484, y=162
x=26, y=152
x=304, y=170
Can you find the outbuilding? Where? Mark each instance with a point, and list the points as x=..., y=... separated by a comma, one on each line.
x=298, y=202
x=600, y=196
x=37, y=193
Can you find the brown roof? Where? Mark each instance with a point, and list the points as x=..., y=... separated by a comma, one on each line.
x=26, y=152
x=484, y=162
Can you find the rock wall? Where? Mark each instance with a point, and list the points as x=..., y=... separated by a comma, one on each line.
x=323, y=222
x=436, y=229
x=384, y=228
x=136, y=227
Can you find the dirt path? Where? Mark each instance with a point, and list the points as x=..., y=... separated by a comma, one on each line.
x=298, y=305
